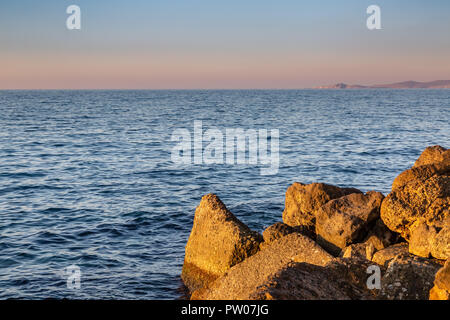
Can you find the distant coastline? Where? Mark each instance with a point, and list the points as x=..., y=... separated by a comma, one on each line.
x=438, y=84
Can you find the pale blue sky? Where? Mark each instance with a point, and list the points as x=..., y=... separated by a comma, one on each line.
x=221, y=44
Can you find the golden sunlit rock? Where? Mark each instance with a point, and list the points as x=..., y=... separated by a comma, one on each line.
x=217, y=242
x=347, y=220
x=302, y=201
x=441, y=289
x=226, y=260
x=419, y=205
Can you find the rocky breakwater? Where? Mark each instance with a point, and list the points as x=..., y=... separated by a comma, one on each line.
x=329, y=238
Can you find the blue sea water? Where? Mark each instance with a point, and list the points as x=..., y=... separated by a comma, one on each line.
x=86, y=177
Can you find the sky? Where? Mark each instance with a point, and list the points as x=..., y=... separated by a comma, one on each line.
x=211, y=44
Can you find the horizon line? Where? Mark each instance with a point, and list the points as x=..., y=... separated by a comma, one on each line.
x=320, y=87
x=217, y=89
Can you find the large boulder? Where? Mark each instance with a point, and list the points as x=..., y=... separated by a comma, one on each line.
x=434, y=154
x=428, y=240
x=419, y=205
x=298, y=281
x=425, y=199
x=441, y=289
x=241, y=281
x=217, y=242
x=339, y=279
x=408, y=278
x=302, y=201
x=346, y=220
x=420, y=174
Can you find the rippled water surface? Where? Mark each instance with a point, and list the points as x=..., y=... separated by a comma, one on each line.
x=86, y=177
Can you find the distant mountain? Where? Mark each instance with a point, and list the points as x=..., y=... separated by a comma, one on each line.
x=438, y=84
x=342, y=86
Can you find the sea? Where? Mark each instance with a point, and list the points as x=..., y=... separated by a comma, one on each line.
x=93, y=205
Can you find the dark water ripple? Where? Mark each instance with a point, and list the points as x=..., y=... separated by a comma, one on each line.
x=86, y=176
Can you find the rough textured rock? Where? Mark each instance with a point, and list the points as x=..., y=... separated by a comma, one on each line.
x=279, y=230
x=432, y=155
x=427, y=200
x=341, y=222
x=359, y=251
x=298, y=281
x=421, y=173
x=384, y=256
x=440, y=248
x=217, y=242
x=226, y=260
x=420, y=202
x=380, y=236
x=276, y=231
x=426, y=241
x=441, y=289
x=241, y=281
x=303, y=200
x=340, y=279
x=408, y=278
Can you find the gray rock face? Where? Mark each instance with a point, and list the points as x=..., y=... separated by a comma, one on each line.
x=408, y=278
